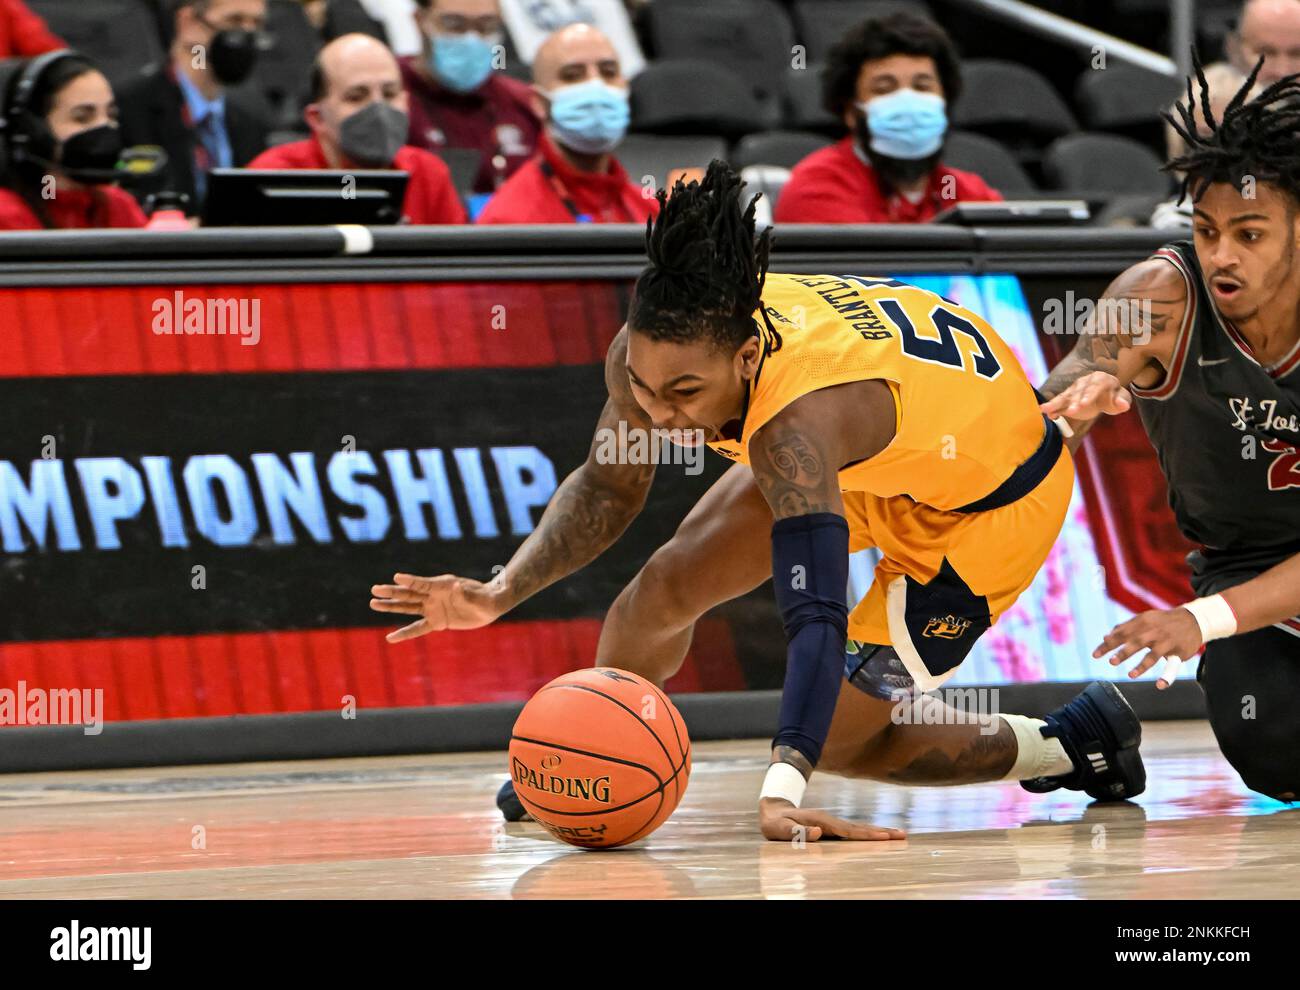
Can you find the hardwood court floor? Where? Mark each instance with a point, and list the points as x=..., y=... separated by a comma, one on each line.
x=426, y=826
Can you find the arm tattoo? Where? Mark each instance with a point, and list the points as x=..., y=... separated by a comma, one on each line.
x=977, y=758
x=1145, y=305
x=595, y=503
x=790, y=466
x=580, y=523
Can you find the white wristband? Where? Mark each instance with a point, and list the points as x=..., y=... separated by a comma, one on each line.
x=784, y=781
x=1214, y=615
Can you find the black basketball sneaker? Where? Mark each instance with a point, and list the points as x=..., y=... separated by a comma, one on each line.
x=1100, y=734
x=511, y=807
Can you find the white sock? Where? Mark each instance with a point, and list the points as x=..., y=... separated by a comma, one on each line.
x=1035, y=756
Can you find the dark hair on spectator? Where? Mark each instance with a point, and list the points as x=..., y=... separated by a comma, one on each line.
x=54, y=78
x=168, y=11
x=1258, y=138
x=25, y=177
x=319, y=83
x=173, y=6
x=706, y=268
x=899, y=33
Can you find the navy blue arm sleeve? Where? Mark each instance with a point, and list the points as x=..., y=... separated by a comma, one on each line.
x=810, y=571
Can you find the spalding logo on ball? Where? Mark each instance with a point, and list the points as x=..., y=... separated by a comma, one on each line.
x=600, y=757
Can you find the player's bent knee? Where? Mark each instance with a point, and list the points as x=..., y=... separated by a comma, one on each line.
x=1249, y=684
x=1272, y=770
x=1267, y=758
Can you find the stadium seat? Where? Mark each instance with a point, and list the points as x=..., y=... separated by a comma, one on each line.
x=752, y=38
x=120, y=35
x=803, y=103
x=767, y=180
x=515, y=66
x=350, y=17
x=282, y=75
x=1215, y=20
x=784, y=148
x=687, y=96
x=464, y=165
x=656, y=155
x=1126, y=100
x=819, y=24
x=1011, y=103
x=1128, y=211
x=989, y=160
x=1109, y=163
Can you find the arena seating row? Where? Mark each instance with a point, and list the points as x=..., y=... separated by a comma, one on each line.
x=724, y=66
x=1146, y=22
x=1095, y=163
x=722, y=84
x=1002, y=100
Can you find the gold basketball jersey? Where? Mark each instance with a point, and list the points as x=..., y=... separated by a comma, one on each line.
x=966, y=414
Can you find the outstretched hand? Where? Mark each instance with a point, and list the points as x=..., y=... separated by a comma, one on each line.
x=1163, y=633
x=442, y=602
x=1094, y=394
x=781, y=821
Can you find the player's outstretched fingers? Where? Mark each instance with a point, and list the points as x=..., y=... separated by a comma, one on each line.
x=422, y=585
x=1155, y=653
x=1128, y=637
x=417, y=628
x=401, y=608
x=1055, y=407
x=396, y=593
x=830, y=827
x=1169, y=672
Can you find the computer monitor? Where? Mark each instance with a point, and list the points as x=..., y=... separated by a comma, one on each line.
x=1059, y=212
x=239, y=197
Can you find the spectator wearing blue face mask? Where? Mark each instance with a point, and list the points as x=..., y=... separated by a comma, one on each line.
x=890, y=80
x=458, y=96
x=580, y=91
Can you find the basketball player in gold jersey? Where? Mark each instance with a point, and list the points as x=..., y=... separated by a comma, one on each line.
x=860, y=412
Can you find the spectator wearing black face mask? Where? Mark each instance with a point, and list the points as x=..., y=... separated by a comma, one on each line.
x=60, y=150
x=185, y=106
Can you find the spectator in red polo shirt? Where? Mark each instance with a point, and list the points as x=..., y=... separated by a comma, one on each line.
x=580, y=91
x=358, y=120
x=459, y=99
x=23, y=32
x=63, y=149
x=890, y=80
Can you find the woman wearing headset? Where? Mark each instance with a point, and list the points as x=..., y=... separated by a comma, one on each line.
x=59, y=147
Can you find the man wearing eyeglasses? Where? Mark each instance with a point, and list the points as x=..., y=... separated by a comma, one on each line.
x=185, y=105
x=460, y=98
x=1271, y=29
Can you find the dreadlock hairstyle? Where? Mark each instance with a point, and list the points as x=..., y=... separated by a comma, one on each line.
x=1259, y=137
x=706, y=268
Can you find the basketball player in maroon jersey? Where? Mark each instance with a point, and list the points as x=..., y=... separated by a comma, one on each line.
x=1215, y=376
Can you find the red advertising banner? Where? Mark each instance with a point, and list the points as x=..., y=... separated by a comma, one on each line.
x=142, y=421
x=199, y=484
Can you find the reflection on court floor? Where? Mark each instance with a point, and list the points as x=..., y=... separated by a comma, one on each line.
x=426, y=826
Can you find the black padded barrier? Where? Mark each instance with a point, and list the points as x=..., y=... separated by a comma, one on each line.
x=325, y=254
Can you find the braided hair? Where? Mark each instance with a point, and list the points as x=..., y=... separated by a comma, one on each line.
x=1257, y=138
x=706, y=267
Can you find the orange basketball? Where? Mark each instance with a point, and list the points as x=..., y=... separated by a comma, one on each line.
x=600, y=757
